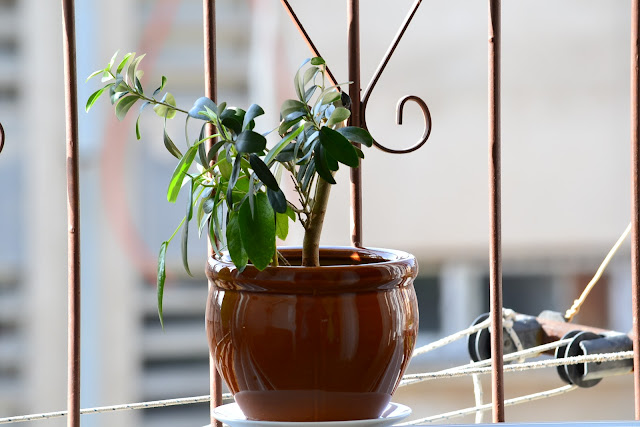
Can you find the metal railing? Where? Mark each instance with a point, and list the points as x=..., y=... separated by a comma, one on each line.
x=358, y=119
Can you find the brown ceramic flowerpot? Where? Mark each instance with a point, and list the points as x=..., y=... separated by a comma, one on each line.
x=323, y=343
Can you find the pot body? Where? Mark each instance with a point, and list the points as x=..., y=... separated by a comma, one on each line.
x=314, y=343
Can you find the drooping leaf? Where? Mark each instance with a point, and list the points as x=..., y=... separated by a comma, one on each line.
x=321, y=165
x=250, y=142
x=340, y=114
x=277, y=200
x=263, y=172
x=254, y=111
x=233, y=178
x=179, y=173
x=124, y=105
x=162, y=275
x=309, y=172
x=168, y=143
x=339, y=147
x=138, y=128
x=234, y=243
x=332, y=163
x=185, y=246
x=356, y=134
x=258, y=231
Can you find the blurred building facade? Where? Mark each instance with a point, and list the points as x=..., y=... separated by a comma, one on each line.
x=565, y=185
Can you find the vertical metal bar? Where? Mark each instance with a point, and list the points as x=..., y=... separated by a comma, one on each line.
x=73, y=212
x=497, y=384
x=211, y=91
x=353, y=43
x=635, y=197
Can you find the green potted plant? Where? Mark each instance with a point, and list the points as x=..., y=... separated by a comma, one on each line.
x=298, y=334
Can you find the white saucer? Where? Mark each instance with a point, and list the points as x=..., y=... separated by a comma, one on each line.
x=232, y=415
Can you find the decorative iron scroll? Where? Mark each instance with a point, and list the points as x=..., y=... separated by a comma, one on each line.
x=381, y=67
x=1, y=138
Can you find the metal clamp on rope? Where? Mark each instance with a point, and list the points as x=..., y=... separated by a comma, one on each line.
x=527, y=335
x=588, y=343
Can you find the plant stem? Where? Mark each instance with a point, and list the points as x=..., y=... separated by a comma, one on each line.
x=311, y=241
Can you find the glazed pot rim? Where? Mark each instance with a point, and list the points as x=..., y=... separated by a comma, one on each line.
x=362, y=269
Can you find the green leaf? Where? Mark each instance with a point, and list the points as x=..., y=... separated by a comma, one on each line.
x=291, y=105
x=282, y=225
x=273, y=153
x=233, y=178
x=92, y=75
x=310, y=74
x=258, y=231
x=298, y=82
x=164, y=110
x=124, y=105
x=317, y=61
x=162, y=275
x=330, y=97
x=131, y=70
x=286, y=125
x=254, y=111
x=263, y=172
x=234, y=243
x=339, y=147
x=185, y=229
x=332, y=163
x=340, y=114
x=94, y=97
x=356, y=134
x=321, y=165
x=277, y=200
x=291, y=213
x=179, y=173
x=225, y=168
x=250, y=142
x=309, y=92
x=112, y=60
x=157, y=91
x=138, y=128
x=168, y=143
x=124, y=62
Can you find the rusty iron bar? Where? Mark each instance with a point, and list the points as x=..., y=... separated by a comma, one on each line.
x=400, y=107
x=495, y=292
x=305, y=35
x=635, y=198
x=73, y=212
x=211, y=91
x=353, y=43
